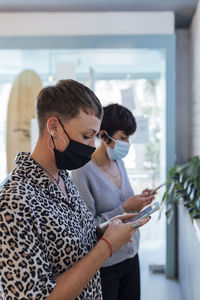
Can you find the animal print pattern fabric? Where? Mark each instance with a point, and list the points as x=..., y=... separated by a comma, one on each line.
x=42, y=233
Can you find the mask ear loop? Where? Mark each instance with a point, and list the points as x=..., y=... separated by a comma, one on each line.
x=63, y=129
x=105, y=134
x=109, y=137
x=51, y=138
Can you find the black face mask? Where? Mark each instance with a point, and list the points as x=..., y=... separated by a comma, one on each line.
x=74, y=156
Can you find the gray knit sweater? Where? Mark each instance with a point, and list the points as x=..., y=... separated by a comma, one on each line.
x=105, y=201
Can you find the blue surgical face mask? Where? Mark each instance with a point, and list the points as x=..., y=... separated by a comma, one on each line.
x=119, y=151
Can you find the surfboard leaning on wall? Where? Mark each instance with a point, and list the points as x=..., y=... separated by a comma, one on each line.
x=21, y=109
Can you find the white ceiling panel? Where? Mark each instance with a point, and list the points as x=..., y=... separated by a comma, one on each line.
x=184, y=9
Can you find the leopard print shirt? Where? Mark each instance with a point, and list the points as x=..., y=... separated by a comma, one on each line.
x=42, y=233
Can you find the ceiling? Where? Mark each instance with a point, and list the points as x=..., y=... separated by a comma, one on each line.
x=184, y=9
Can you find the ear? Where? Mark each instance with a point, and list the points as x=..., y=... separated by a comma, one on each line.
x=53, y=127
x=104, y=136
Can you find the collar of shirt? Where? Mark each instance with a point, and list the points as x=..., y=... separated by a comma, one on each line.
x=29, y=168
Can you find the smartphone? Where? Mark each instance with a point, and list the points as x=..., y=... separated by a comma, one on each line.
x=155, y=190
x=147, y=212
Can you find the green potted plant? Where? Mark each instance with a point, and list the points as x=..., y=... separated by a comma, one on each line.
x=184, y=184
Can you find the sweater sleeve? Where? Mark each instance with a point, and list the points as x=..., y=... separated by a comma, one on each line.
x=110, y=214
x=88, y=186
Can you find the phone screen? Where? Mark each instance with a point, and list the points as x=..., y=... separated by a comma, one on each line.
x=147, y=211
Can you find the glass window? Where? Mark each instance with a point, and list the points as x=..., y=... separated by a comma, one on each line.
x=132, y=77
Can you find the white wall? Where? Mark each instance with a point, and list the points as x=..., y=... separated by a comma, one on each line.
x=111, y=23
x=189, y=258
x=195, y=84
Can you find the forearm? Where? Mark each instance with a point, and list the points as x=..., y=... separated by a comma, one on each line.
x=70, y=284
x=119, y=210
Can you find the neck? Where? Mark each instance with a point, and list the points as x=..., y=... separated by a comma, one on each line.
x=45, y=157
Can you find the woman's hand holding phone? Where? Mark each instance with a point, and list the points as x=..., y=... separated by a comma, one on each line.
x=138, y=202
x=120, y=231
x=125, y=218
x=154, y=191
